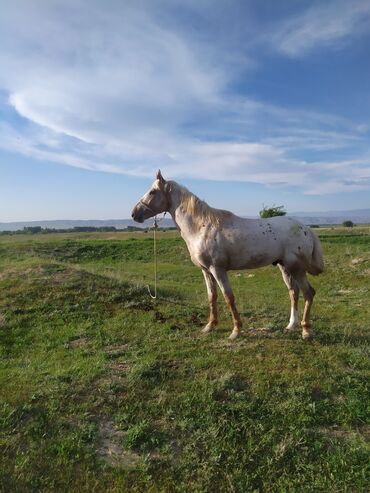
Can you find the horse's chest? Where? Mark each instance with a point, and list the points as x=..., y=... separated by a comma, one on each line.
x=205, y=252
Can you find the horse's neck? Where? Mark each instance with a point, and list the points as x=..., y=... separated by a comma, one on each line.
x=183, y=220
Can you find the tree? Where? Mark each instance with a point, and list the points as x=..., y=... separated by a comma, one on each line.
x=347, y=224
x=275, y=210
x=32, y=229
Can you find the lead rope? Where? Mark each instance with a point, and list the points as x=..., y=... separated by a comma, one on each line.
x=155, y=227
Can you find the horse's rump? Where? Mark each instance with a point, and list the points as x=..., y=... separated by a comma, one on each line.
x=317, y=266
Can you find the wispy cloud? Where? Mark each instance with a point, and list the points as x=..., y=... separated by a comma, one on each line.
x=327, y=24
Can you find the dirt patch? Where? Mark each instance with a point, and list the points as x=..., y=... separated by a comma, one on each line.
x=77, y=342
x=345, y=291
x=6, y=273
x=110, y=447
x=356, y=261
x=230, y=345
x=347, y=434
x=20, y=272
x=120, y=367
x=235, y=345
x=2, y=320
x=50, y=272
x=115, y=351
x=62, y=276
x=260, y=331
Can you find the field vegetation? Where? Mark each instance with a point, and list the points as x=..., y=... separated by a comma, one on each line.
x=105, y=390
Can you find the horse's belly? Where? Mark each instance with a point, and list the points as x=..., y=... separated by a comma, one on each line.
x=251, y=262
x=248, y=257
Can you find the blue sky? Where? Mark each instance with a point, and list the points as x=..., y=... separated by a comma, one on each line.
x=245, y=102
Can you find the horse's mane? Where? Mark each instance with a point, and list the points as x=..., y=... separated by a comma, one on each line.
x=199, y=209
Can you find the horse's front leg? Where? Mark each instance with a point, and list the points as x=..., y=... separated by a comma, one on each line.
x=212, y=298
x=221, y=277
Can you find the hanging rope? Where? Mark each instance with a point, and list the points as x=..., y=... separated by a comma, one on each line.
x=154, y=228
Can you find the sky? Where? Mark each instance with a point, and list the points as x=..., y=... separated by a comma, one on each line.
x=245, y=102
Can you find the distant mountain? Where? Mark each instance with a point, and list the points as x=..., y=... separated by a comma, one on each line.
x=355, y=212
x=71, y=223
x=359, y=216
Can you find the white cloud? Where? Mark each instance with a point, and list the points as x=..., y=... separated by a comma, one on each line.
x=326, y=24
x=351, y=175
x=89, y=72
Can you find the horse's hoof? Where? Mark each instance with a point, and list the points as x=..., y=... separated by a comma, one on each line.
x=207, y=329
x=291, y=328
x=307, y=336
x=234, y=335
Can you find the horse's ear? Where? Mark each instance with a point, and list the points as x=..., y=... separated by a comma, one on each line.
x=160, y=177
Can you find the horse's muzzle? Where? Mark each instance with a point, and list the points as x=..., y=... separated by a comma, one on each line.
x=137, y=214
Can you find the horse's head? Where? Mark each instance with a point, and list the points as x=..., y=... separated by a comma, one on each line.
x=153, y=202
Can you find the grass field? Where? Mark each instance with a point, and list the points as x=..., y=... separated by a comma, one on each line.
x=106, y=390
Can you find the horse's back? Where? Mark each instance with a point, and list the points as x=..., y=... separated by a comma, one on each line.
x=257, y=242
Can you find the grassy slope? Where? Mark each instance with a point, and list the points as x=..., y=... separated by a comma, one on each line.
x=105, y=390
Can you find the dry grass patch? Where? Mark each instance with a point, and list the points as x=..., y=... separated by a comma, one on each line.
x=110, y=447
x=338, y=432
x=115, y=351
x=120, y=367
x=77, y=342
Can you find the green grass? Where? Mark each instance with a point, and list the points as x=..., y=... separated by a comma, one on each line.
x=106, y=390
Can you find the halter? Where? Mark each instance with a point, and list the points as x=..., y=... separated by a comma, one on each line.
x=147, y=207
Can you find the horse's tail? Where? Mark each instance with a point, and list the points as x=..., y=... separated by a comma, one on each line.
x=316, y=265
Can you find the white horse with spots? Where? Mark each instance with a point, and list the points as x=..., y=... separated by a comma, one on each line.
x=219, y=241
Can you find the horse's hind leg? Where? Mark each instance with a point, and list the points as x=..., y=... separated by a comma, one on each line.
x=212, y=298
x=308, y=294
x=293, y=288
x=221, y=277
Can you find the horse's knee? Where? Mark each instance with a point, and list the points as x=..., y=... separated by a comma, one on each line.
x=229, y=298
x=230, y=301
x=306, y=288
x=309, y=294
x=294, y=294
x=212, y=297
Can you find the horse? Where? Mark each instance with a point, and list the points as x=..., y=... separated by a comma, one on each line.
x=219, y=241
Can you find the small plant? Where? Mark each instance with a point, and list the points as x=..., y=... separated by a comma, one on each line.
x=137, y=435
x=273, y=211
